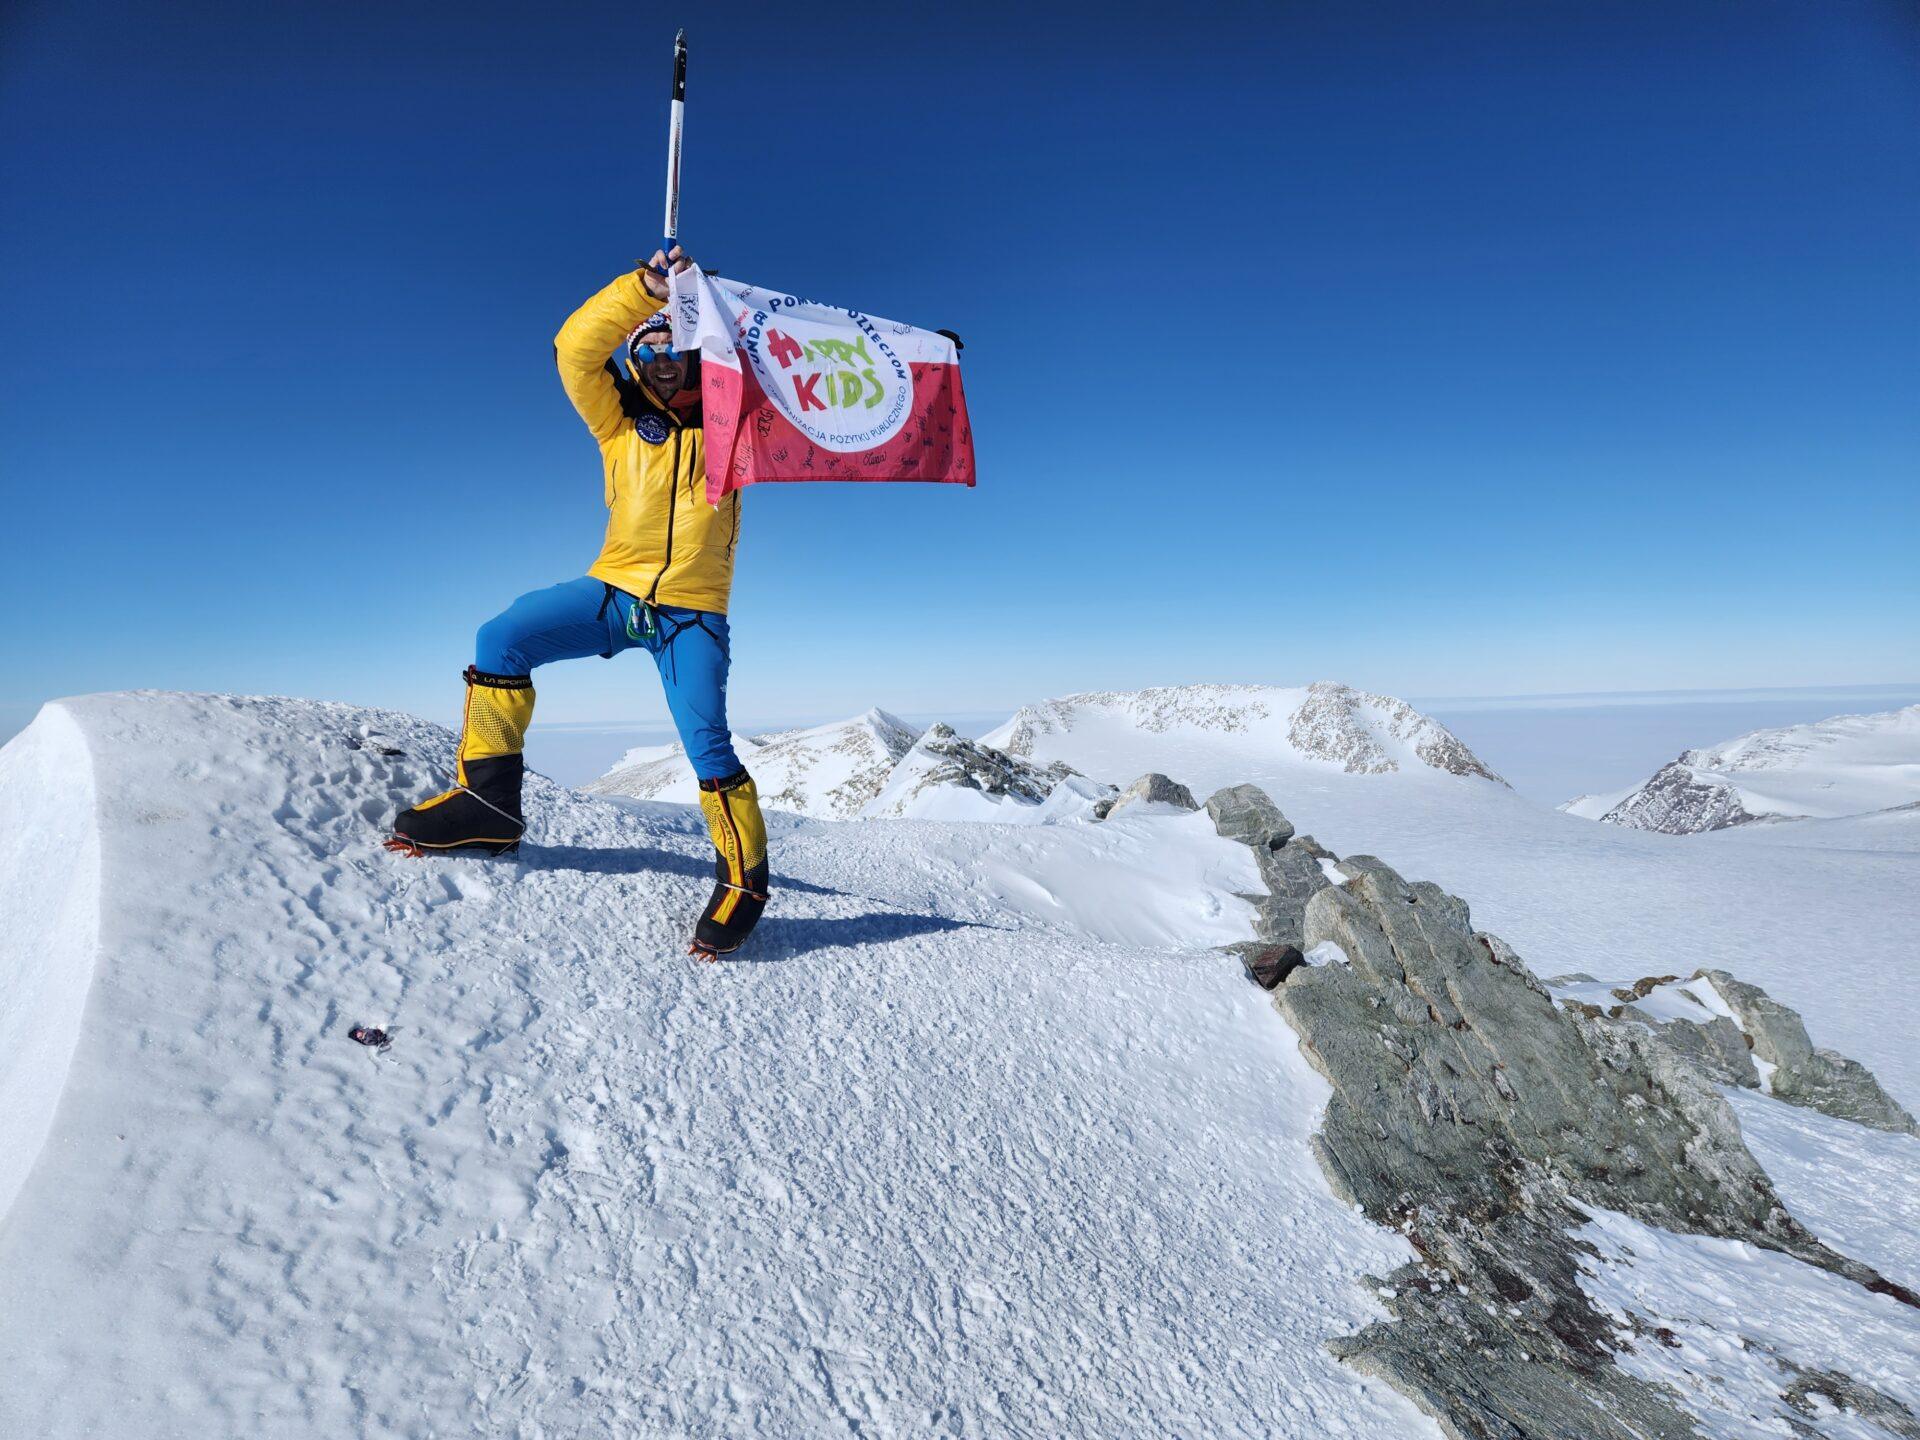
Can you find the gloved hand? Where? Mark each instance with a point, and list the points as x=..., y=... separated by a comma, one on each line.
x=654, y=272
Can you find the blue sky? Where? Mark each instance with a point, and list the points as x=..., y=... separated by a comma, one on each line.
x=1502, y=348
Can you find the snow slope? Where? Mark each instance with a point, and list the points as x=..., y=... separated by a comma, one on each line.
x=1849, y=765
x=1320, y=727
x=927, y=1164
x=828, y=771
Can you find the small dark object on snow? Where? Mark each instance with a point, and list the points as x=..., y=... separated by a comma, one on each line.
x=354, y=742
x=1270, y=966
x=371, y=1035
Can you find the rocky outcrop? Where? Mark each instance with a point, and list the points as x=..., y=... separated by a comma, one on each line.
x=1678, y=802
x=943, y=758
x=1472, y=1113
x=1737, y=1034
x=1801, y=1074
x=1291, y=869
x=1349, y=727
x=1476, y=1116
x=1155, y=789
x=1290, y=864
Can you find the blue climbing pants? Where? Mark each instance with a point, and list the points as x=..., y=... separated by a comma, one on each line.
x=589, y=617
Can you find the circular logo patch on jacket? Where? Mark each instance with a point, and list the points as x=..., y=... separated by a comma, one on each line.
x=652, y=429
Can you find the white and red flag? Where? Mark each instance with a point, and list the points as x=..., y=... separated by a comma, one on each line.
x=794, y=390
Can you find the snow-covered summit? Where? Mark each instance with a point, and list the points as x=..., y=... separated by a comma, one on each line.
x=595, y=1188
x=1116, y=735
x=830, y=771
x=1848, y=765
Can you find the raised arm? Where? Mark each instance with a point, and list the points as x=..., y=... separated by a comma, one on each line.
x=594, y=330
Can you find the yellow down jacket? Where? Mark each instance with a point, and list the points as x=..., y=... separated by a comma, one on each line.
x=664, y=542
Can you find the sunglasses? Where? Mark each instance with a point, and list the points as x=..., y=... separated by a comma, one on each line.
x=647, y=354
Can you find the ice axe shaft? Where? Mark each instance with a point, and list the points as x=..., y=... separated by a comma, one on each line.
x=670, y=226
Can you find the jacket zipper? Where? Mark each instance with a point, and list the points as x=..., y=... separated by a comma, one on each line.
x=673, y=503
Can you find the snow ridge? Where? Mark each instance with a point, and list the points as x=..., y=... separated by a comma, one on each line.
x=877, y=766
x=1359, y=732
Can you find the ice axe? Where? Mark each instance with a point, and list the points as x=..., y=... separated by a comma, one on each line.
x=676, y=116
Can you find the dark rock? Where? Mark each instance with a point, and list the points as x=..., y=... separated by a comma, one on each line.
x=1268, y=965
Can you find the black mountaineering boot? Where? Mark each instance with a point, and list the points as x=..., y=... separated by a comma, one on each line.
x=482, y=810
x=739, y=833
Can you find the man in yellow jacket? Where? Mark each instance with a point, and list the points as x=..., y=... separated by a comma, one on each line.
x=660, y=585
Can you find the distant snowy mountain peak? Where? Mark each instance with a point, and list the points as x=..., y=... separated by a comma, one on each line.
x=1117, y=734
x=1849, y=765
x=1058, y=759
x=830, y=772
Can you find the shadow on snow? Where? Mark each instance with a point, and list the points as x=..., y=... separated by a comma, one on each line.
x=777, y=937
